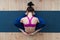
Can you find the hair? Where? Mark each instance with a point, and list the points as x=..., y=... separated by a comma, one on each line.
x=30, y=8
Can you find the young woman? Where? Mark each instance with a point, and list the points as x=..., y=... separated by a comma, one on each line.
x=30, y=21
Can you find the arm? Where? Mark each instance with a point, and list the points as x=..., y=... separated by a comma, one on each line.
x=23, y=31
x=35, y=31
x=39, y=22
x=38, y=29
x=42, y=25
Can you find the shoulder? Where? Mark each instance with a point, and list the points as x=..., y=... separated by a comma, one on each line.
x=37, y=19
x=23, y=18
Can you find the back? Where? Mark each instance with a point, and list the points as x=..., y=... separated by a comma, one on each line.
x=28, y=24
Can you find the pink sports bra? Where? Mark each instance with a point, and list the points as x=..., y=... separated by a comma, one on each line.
x=29, y=25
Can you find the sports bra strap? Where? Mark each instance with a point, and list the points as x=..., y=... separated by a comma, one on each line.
x=29, y=19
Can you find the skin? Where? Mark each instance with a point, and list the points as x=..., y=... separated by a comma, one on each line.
x=29, y=30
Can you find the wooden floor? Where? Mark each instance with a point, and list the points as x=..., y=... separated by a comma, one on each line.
x=38, y=36
x=22, y=4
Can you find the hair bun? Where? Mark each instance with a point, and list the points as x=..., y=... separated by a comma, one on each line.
x=30, y=4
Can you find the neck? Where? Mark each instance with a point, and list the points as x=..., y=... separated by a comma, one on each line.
x=29, y=14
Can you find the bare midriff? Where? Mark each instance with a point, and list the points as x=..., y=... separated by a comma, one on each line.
x=29, y=29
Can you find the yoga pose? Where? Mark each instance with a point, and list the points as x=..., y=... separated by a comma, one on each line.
x=30, y=21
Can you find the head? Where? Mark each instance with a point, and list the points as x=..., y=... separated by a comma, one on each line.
x=30, y=8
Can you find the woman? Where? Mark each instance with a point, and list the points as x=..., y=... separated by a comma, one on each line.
x=29, y=21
